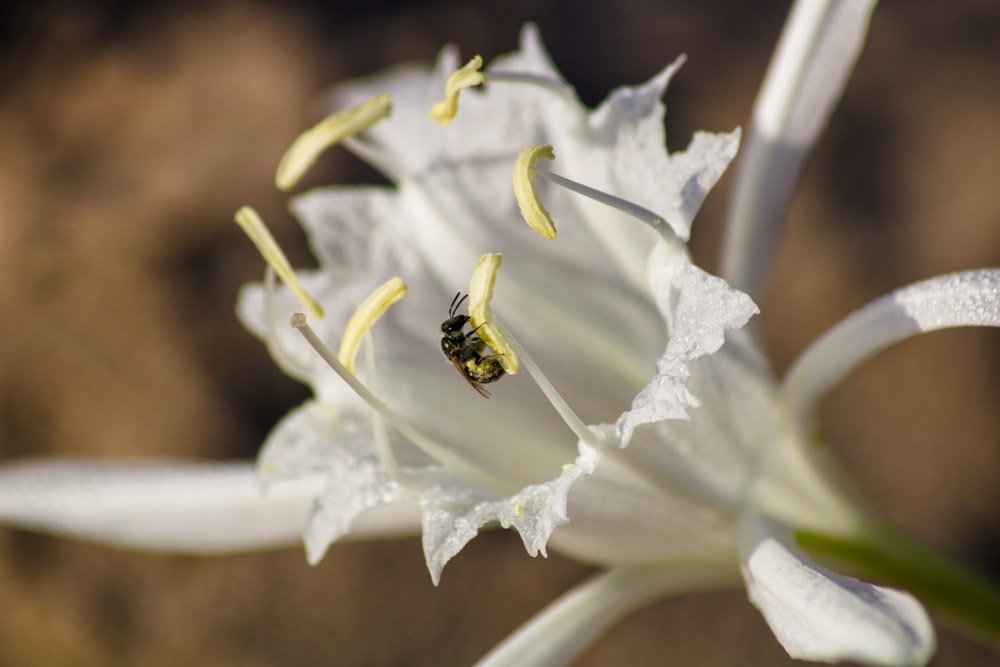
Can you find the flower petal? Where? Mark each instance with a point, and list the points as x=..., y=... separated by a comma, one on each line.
x=699, y=309
x=315, y=439
x=626, y=512
x=970, y=298
x=455, y=509
x=622, y=150
x=818, y=48
x=350, y=495
x=564, y=629
x=817, y=614
x=167, y=506
x=625, y=137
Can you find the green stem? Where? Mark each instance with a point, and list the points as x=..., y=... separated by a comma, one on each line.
x=888, y=555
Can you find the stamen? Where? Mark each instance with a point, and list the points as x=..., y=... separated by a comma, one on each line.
x=365, y=316
x=250, y=222
x=480, y=294
x=625, y=206
x=573, y=421
x=331, y=130
x=433, y=449
x=467, y=76
x=526, y=191
x=534, y=213
x=497, y=336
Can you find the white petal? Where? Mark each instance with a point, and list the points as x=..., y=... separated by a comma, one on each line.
x=817, y=614
x=308, y=440
x=818, y=48
x=626, y=138
x=315, y=439
x=564, y=629
x=169, y=506
x=623, y=150
x=454, y=510
x=699, y=309
x=363, y=491
x=713, y=455
x=628, y=512
x=970, y=298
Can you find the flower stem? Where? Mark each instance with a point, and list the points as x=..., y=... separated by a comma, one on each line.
x=896, y=558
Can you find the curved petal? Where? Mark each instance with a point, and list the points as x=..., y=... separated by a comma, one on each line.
x=818, y=48
x=564, y=629
x=169, y=506
x=970, y=298
x=817, y=614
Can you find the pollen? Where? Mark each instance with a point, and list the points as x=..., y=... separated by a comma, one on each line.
x=250, y=222
x=481, y=315
x=526, y=190
x=467, y=76
x=329, y=131
x=364, y=318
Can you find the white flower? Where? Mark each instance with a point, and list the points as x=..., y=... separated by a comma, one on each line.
x=698, y=467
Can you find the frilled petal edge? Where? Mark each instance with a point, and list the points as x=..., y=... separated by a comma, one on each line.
x=626, y=133
x=817, y=614
x=316, y=439
x=453, y=511
x=699, y=308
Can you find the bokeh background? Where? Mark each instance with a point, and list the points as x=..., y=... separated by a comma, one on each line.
x=130, y=132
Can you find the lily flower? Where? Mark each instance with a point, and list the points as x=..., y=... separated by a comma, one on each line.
x=635, y=424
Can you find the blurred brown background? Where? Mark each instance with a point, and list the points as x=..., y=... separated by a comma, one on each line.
x=130, y=133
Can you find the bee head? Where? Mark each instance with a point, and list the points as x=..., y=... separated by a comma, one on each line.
x=454, y=324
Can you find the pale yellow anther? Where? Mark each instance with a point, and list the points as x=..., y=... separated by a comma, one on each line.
x=484, y=276
x=365, y=316
x=250, y=222
x=329, y=131
x=469, y=75
x=526, y=191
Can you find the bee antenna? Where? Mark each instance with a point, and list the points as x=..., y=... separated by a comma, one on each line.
x=456, y=303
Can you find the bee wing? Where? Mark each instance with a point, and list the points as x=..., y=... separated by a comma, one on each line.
x=472, y=383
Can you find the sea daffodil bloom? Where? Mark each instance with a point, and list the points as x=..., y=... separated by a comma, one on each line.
x=644, y=434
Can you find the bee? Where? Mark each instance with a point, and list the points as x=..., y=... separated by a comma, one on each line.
x=466, y=350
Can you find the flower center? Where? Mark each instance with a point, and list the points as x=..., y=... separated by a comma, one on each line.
x=487, y=326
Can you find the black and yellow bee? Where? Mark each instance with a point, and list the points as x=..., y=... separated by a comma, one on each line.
x=467, y=351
